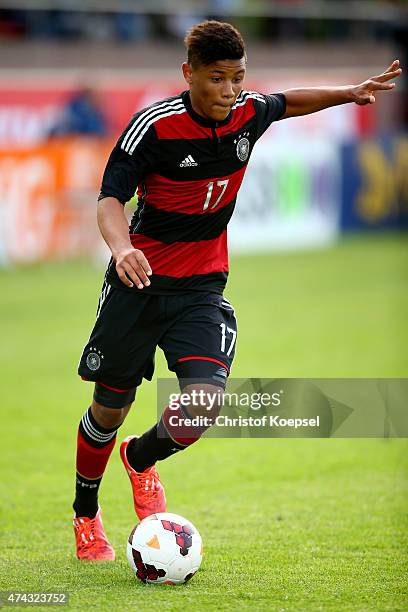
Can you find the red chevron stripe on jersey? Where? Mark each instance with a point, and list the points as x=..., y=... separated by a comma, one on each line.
x=240, y=116
x=203, y=196
x=184, y=127
x=182, y=259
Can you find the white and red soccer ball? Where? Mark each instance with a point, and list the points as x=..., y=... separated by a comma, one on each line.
x=164, y=548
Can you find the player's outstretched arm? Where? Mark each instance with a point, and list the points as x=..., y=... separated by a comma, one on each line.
x=313, y=99
x=131, y=264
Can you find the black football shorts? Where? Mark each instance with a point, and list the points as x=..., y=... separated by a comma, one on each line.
x=196, y=331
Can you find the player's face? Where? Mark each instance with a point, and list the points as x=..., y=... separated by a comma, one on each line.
x=214, y=88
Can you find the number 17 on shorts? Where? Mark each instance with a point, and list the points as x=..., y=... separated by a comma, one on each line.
x=228, y=337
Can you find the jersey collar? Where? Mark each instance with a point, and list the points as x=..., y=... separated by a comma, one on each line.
x=198, y=118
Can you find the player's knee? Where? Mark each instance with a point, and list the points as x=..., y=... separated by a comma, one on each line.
x=110, y=397
x=109, y=417
x=204, y=400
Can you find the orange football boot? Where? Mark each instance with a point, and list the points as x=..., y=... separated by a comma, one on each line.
x=148, y=491
x=91, y=541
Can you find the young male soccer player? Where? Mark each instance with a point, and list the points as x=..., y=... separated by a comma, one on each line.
x=186, y=157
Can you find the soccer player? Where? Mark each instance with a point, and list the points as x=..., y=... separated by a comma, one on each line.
x=186, y=157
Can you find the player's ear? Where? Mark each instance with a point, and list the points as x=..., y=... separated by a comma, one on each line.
x=187, y=72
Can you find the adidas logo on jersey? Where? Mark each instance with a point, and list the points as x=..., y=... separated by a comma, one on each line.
x=188, y=162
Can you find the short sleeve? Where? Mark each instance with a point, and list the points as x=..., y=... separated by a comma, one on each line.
x=132, y=159
x=269, y=108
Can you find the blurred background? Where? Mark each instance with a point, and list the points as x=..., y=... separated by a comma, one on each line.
x=72, y=72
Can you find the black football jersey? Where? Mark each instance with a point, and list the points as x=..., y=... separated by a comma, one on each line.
x=187, y=171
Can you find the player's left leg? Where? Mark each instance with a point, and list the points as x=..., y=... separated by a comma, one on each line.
x=140, y=454
x=199, y=347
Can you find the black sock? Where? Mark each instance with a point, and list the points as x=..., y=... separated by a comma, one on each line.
x=152, y=446
x=86, y=496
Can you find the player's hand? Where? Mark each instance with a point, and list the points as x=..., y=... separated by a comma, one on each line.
x=133, y=268
x=365, y=92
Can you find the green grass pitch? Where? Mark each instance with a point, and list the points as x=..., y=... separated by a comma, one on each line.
x=287, y=524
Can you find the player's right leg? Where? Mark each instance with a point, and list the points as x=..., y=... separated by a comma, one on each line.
x=95, y=441
x=117, y=356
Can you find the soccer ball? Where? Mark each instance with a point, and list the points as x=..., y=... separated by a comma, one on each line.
x=164, y=548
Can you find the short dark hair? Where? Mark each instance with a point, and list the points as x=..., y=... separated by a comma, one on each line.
x=210, y=41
